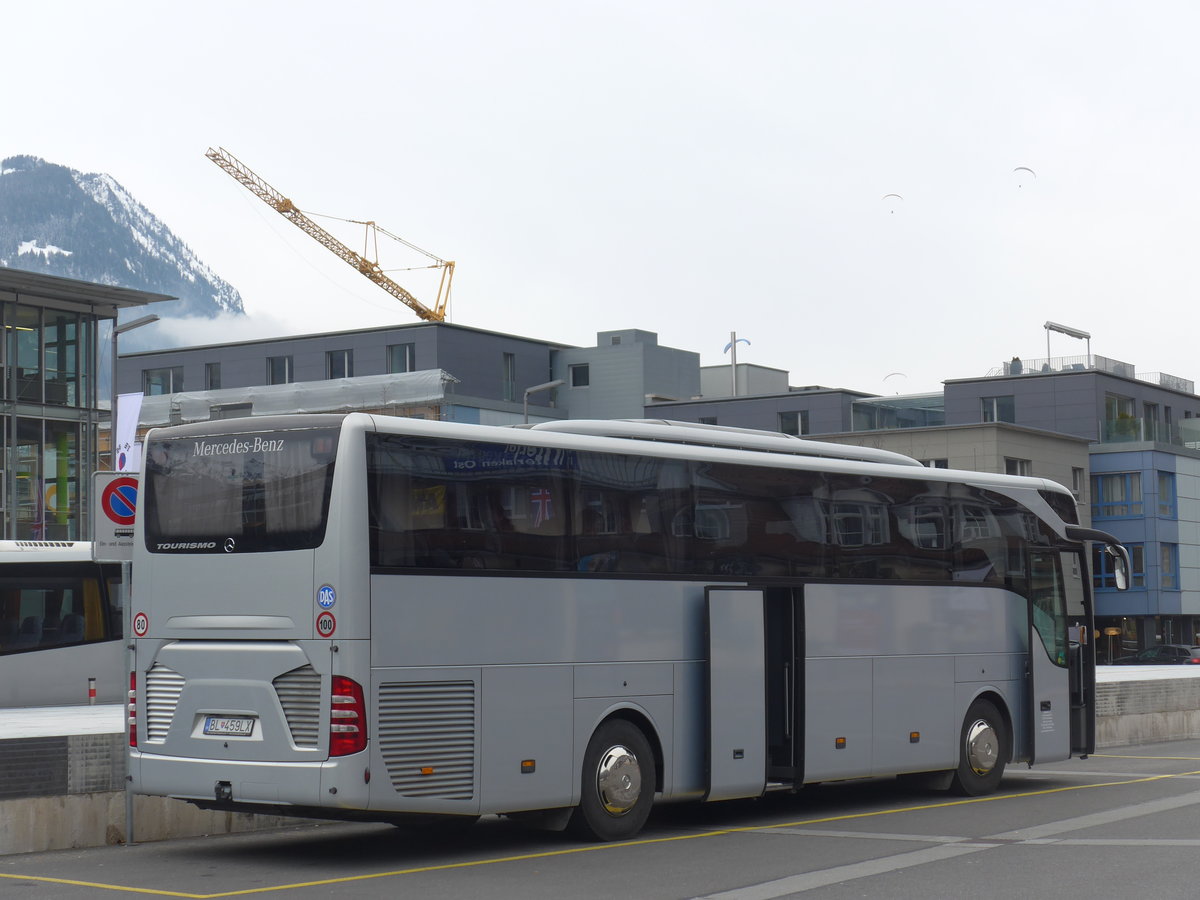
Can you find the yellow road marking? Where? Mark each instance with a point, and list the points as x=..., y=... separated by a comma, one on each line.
x=590, y=848
x=1132, y=756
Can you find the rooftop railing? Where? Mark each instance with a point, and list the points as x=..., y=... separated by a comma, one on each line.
x=1174, y=382
x=1054, y=364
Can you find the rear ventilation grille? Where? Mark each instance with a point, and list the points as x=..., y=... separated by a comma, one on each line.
x=299, y=693
x=163, y=687
x=427, y=738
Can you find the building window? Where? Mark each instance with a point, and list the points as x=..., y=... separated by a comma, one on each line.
x=212, y=376
x=707, y=420
x=1077, y=476
x=162, y=381
x=581, y=375
x=1167, y=506
x=401, y=358
x=936, y=463
x=1168, y=576
x=1014, y=466
x=999, y=409
x=1103, y=578
x=1117, y=496
x=616, y=340
x=339, y=363
x=279, y=370
x=508, y=376
x=794, y=422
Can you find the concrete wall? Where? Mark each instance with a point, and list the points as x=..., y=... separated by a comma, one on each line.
x=1145, y=712
x=61, y=792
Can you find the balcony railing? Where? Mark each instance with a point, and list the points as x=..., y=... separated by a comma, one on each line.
x=1130, y=430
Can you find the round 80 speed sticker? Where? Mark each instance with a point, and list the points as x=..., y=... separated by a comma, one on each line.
x=141, y=624
x=326, y=624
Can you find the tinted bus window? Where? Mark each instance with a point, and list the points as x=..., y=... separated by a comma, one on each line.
x=240, y=493
x=44, y=606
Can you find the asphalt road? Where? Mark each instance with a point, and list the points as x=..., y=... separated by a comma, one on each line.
x=1124, y=823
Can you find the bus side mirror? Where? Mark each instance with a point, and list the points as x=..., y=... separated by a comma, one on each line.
x=1120, y=565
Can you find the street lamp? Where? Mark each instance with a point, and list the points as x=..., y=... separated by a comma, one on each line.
x=548, y=386
x=112, y=418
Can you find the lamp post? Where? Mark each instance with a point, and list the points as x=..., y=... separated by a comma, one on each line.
x=126, y=565
x=548, y=386
x=112, y=418
x=731, y=349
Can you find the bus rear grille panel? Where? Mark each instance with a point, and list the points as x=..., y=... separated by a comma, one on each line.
x=427, y=738
x=163, y=687
x=299, y=693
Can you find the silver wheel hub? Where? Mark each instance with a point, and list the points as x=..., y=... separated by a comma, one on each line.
x=982, y=746
x=618, y=780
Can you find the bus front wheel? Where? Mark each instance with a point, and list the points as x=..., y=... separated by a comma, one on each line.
x=617, y=785
x=983, y=749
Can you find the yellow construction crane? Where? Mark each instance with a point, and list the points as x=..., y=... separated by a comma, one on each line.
x=368, y=267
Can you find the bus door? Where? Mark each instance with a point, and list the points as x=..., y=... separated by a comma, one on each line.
x=1048, y=712
x=785, y=685
x=737, y=754
x=1081, y=653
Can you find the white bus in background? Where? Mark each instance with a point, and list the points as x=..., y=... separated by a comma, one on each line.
x=366, y=617
x=60, y=626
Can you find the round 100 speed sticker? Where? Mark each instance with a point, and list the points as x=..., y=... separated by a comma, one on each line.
x=326, y=624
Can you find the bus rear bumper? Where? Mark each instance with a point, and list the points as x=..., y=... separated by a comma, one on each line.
x=326, y=783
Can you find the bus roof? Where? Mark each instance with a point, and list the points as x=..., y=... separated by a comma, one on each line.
x=723, y=436
x=45, y=551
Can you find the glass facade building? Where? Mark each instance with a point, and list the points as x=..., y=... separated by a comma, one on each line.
x=50, y=400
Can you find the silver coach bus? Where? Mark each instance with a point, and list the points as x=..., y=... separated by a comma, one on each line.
x=367, y=617
x=60, y=626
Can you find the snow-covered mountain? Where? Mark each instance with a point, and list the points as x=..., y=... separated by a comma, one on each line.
x=60, y=221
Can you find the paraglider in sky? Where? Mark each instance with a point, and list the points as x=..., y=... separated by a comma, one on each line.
x=1024, y=173
x=894, y=199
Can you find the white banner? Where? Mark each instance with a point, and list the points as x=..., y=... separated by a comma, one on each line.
x=128, y=452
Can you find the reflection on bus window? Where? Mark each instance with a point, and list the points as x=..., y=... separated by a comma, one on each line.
x=450, y=504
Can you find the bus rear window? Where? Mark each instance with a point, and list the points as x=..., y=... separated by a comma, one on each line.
x=246, y=492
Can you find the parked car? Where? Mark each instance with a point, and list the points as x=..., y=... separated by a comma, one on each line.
x=1162, y=655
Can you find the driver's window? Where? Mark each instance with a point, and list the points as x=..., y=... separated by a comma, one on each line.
x=1049, y=604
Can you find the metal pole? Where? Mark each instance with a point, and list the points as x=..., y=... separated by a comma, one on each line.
x=112, y=415
x=127, y=600
x=733, y=361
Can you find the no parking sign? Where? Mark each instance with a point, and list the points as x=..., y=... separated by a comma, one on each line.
x=114, y=506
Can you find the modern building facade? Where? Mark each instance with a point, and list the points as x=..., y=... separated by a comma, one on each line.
x=50, y=410
x=484, y=376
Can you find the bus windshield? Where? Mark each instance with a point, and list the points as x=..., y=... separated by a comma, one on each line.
x=238, y=493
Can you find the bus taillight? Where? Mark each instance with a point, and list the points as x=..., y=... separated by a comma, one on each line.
x=347, y=717
x=132, y=709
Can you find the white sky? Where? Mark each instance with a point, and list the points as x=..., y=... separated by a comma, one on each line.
x=689, y=168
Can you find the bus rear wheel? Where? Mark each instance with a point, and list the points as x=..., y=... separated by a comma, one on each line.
x=617, y=784
x=983, y=749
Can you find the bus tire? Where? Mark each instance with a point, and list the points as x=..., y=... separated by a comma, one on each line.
x=617, y=784
x=983, y=749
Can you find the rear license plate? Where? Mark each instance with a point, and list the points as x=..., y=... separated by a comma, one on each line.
x=229, y=726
